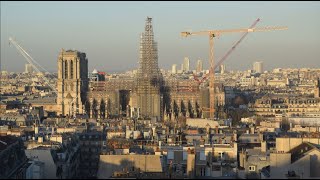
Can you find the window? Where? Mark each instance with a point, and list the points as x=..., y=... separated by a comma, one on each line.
x=252, y=168
x=66, y=69
x=170, y=155
x=202, y=172
x=185, y=155
x=71, y=70
x=202, y=156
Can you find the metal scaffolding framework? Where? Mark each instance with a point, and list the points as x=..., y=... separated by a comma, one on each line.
x=149, y=77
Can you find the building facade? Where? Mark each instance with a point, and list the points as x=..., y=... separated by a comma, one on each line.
x=199, y=66
x=289, y=106
x=148, y=93
x=222, y=68
x=186, y=64
x=72, y=82
x=258, y=67
x=174, y=69
x=28, y=68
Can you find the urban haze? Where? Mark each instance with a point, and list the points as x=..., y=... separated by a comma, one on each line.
x=160, y=90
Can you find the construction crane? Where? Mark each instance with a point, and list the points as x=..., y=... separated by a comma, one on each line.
x=217, y=33
x=31, y=61
x=228, y=53
x=35, y=65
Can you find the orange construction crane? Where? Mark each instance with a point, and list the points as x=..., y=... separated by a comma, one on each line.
x=216, y=33
x=228, y=53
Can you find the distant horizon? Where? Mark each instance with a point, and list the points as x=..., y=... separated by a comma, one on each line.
x=109, y=33
x=122, y=71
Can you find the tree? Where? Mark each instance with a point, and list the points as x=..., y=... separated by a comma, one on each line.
x=240, y=100
x=237, y=114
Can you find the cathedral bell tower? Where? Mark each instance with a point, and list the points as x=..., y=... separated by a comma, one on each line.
x=72, y=82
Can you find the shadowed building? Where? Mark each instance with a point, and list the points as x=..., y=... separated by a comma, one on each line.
x=108, y=164
x=13, y=160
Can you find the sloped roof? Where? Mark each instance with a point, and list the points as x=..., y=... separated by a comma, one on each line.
x=301, y=150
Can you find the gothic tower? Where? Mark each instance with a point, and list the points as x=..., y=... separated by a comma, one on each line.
x=317, y=89
x=147, y=95
x=72, y=82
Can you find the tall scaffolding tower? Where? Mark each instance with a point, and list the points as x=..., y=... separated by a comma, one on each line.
x=149, y=77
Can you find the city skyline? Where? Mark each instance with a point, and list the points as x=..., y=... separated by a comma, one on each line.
x=110, y=47
x=167, y=116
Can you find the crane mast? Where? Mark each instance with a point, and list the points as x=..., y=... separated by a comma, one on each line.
x=212, y=34
x=228, y=53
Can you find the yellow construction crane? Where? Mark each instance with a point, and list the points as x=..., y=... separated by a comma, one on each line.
x=215, y=33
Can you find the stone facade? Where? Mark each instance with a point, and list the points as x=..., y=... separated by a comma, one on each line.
x=72, y=82
x=286, y=105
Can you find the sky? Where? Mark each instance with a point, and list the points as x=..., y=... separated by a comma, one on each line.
x=109, y=32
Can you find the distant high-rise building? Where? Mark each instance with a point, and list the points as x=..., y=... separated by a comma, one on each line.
x=174, y=69
x=199, y=66
x=182, y=67
x=28, y=68
x=258, y=67
x=222, y=68
x=72, y=82
x=186, y=64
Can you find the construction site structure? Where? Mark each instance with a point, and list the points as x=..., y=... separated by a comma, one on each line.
x=146, y=95
x=33, y=63
x=227, y=54
x=216, y=33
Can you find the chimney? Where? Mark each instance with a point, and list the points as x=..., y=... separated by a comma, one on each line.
x=261, y=136
x=252, y=130
x=40, y=139
x=36, y=130
x=235, y=136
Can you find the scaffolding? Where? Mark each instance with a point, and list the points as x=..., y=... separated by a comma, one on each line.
x=149, y=77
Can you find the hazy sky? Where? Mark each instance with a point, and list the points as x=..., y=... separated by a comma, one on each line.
x=109, y=32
